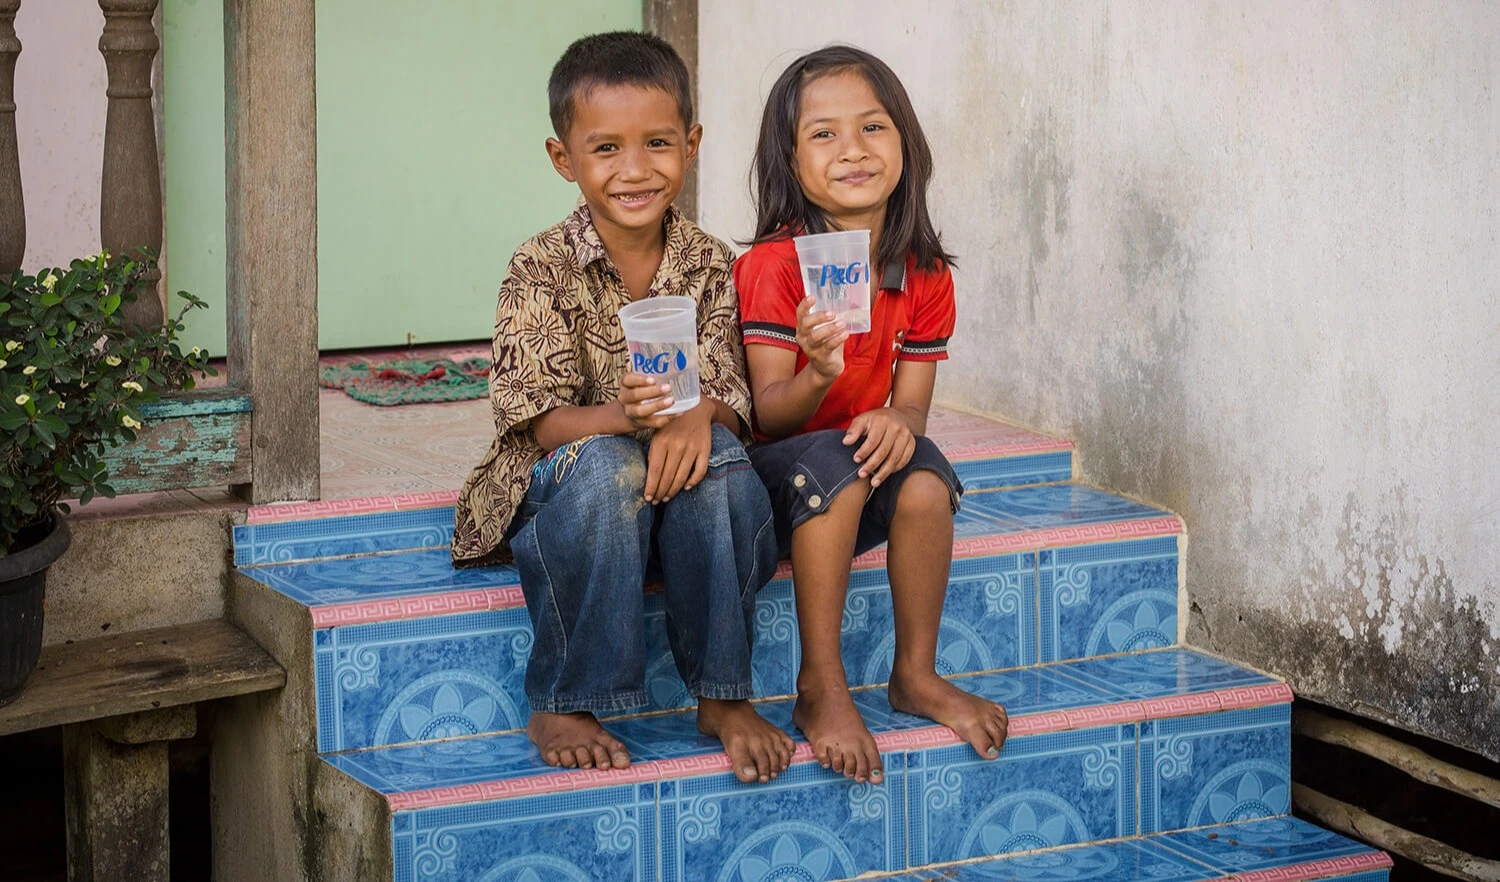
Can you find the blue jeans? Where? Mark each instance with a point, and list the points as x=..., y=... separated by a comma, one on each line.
x=583, y=544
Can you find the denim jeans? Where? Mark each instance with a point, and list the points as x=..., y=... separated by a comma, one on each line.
x=584, y=541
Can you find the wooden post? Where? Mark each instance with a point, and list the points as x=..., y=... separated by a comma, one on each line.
x=130, y=198
x=676, y=21
x=12, y=206
x=271, y=145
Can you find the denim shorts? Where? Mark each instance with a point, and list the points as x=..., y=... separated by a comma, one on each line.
x=805, y=472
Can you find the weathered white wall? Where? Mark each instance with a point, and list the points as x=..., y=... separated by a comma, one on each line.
x=60, y=110
x=1246, y=256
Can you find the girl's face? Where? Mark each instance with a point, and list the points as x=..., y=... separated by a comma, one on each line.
x=847, y=149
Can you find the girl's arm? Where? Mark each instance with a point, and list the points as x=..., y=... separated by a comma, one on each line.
x=785, y=398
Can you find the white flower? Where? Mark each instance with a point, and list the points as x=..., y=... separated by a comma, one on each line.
x=62, y=405
x=50, y=282
x=11, y=346
x=133, y=386
x=3, y=363
x=112, y=360
x=197, y=350
x=29, y=369
x=22, y=398
x=130, y=422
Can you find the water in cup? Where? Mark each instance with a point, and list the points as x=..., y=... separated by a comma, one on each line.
x=662, y=336
x=836, y=274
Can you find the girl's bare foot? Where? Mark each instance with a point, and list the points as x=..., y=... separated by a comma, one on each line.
x=758, y=750
x=978, y=721
x=576, y=741
x=840, y=739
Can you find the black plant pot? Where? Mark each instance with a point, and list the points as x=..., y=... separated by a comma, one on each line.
x=23, y=587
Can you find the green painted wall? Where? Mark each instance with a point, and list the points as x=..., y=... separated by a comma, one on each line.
x=430, y=161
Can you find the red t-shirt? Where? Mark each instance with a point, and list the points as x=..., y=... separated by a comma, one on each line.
x=911, y=320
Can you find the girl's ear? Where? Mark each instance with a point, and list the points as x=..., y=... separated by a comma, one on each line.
x=694, y=139
x=559, y=156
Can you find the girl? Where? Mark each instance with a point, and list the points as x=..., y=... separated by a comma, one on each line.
x=841, y=417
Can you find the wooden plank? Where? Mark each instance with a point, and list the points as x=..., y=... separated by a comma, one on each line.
x=271, y=161
x=204, y=450
x=12, y=206
x=139, y=671
x=676, y=21
x=196, y=402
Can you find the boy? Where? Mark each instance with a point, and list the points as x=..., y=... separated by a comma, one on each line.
x=585, y=477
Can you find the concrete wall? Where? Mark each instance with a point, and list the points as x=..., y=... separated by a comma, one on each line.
x=60, y=109
x=1246, y=256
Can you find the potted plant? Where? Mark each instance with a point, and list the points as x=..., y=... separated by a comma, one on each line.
x=73, y=376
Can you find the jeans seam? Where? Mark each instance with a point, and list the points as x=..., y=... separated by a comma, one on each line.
x=562, y=633
x=614, y=701
x=828, y=496
x=755, y=563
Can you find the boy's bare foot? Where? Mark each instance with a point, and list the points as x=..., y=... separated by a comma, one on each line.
x=758, y=750
x=576, y=741
x=978, y=721
x=840, y=739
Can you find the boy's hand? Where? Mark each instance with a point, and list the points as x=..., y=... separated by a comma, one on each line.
x=822, y=337
x=678, y=456
x=641, y=397
x=889, y=443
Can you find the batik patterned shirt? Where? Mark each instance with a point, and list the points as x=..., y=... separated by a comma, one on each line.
x=558, y=342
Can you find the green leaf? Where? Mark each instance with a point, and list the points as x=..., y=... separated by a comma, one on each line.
x=12, y=420
x=44, y=433
x=111, y=303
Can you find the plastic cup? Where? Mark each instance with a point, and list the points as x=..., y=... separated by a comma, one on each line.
x=662, y=334
x=836, y=274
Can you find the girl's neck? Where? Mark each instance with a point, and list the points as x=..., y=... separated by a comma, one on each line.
x=872, y=220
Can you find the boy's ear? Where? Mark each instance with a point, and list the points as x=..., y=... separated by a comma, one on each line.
x=694, y=138
x=559, y=156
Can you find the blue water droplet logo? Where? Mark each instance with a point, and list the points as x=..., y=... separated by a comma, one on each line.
x=681, y=360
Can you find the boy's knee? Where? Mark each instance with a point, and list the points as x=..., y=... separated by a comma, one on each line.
x=614, y=464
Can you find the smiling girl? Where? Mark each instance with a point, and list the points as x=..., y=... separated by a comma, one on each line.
x=841, y=417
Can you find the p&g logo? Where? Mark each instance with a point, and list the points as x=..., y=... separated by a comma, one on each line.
x=852, y=274
x=659, y=363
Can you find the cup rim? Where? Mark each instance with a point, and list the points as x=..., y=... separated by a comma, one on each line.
x=837, y=237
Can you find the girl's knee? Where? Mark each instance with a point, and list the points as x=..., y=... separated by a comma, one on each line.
x=924, y=494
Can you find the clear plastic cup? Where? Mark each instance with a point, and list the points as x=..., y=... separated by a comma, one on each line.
x=662, y=334
x=836, y=273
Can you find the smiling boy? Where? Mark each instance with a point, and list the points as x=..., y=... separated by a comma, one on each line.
x=586, y=479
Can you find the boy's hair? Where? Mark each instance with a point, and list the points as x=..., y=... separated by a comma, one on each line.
x=618, y=58
x=781, y=209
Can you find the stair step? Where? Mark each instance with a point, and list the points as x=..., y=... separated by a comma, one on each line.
x=1278, y=849
x=1040, y=574
x=1100, y=749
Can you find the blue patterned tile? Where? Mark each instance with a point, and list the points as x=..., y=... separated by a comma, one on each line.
x=809, y=824
x=421, y=679
x=1258, y=845
x=570, y=837
x=1108, y=598
x=1215, y=768
x=1057, y=505
x=676, y=736
x=1108, y=862
x=403, y=574
x=291, y=541
x=443, y=763
x=1161, y=673
x=1044, y=791
x=1015, y=471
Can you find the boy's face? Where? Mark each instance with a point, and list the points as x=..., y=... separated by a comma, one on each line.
x=628, y=150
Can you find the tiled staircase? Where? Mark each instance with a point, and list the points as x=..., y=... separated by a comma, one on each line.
x=1130, y=756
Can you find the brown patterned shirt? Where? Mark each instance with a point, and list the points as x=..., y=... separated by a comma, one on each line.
x=558, y=342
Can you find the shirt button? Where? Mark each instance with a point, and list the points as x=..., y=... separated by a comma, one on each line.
x=816, y=501
x=800, y=481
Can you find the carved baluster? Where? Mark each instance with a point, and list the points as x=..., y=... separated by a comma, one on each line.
x=12, y=206
x=130, y=206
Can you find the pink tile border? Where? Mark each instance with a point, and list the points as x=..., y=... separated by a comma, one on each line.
x=366, y=612
x=1046, y=722
x=279, y=512
x=1254, y=696
x=1322, y=869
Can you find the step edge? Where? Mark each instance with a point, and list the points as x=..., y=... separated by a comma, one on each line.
x=922, y=738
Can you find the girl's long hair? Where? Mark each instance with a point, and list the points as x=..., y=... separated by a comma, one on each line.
x=781, y=209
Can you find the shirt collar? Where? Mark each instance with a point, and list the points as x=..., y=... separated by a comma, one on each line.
x=893, y=278
x=589, y=248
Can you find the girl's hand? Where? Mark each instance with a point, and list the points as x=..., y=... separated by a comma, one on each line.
x=641, y=397
x=889, y=443
x=677, y=458
x=822, y=337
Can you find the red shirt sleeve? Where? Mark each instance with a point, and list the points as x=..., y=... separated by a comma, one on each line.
x=770, y=288
x=933, y=321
